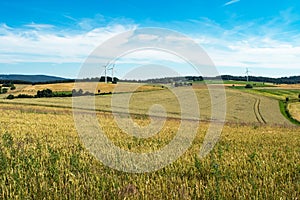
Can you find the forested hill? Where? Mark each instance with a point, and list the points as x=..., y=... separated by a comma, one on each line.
x=282, y=80
x=29, y=79
x=42, y=79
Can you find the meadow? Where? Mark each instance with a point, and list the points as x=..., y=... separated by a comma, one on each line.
x=42, y=156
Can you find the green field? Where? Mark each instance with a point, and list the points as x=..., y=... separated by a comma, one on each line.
x=42, y=156
x=280, y=94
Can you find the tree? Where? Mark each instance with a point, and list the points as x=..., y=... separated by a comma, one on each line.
x=12, y=87
x=10, y=96
x=4, y=90
x=80, y=92
x=44, y=93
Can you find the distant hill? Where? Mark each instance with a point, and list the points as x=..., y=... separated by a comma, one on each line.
x=43, y=79
x=17, y=78
x=282, y=80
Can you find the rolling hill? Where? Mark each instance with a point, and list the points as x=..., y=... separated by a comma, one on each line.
x=17, y=78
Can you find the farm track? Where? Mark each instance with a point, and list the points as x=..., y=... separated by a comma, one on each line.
x=257, y=112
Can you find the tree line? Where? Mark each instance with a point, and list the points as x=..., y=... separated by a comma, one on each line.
x=47, y=93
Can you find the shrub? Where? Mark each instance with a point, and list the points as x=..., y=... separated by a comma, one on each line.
x=44, y=93
x=248, y=86
x=4, y=90
x=10, y=96
x=24, y=96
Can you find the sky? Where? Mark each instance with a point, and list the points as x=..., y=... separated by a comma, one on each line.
x=57, y=37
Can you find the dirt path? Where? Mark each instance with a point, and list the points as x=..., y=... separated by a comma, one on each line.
x=257, y=111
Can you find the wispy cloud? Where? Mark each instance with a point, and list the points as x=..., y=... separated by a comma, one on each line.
x=39, y=26
x=231, y=2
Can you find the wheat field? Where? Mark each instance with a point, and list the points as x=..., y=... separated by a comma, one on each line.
x=294, y=109
x=43, y=157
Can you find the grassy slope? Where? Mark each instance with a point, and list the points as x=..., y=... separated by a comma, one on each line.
x=239, y=105
x=280, y=93
x=85, y=86
x=44, y=159
x=294, y=109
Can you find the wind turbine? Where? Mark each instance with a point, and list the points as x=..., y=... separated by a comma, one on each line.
x=247, y=73
x=112, y=72
x=105, y=72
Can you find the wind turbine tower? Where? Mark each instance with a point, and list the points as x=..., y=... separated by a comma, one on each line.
x=112, y=73
x=105, y=72
x=247, y=73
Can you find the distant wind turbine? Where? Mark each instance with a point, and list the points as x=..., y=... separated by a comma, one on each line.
x=105, y=71
x=247, y=73
x=112, y=73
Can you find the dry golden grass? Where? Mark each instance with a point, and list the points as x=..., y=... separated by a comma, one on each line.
x=41, y=157
x=289, y=86
x=240, y=105
x=85, y=86
x=294, y=109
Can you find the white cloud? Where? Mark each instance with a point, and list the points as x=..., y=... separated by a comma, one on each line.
x=31, y=45
x=252, y=44
x=39, y=26
x=231, y=2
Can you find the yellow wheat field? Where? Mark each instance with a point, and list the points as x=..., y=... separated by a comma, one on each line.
x=42, y=157
x=294, y=109
x=85, y=86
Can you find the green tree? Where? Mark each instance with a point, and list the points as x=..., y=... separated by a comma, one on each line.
x=44, y=93
x=10, y=96
x=12, y=87
x=4, y=90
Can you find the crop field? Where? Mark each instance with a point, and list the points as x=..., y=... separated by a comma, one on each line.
x=294, y=109
x=43, y=157
x=287, y=94
x=241, y=107
x=280, y=94
x=67, y=87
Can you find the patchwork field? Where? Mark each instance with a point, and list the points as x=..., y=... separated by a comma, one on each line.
x=241, y=107
x=43, y=157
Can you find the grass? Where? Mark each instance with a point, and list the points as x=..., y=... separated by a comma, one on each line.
x=85, y=86
x=284, y=108
x=239, y=104
x=48, y=161
x=42, y=156
x=280, y=94
x=275, y=93
x=294, y=109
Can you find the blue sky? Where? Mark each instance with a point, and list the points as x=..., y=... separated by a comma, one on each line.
x=55, y=37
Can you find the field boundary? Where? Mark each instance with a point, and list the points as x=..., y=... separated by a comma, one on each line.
x=285, y=112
